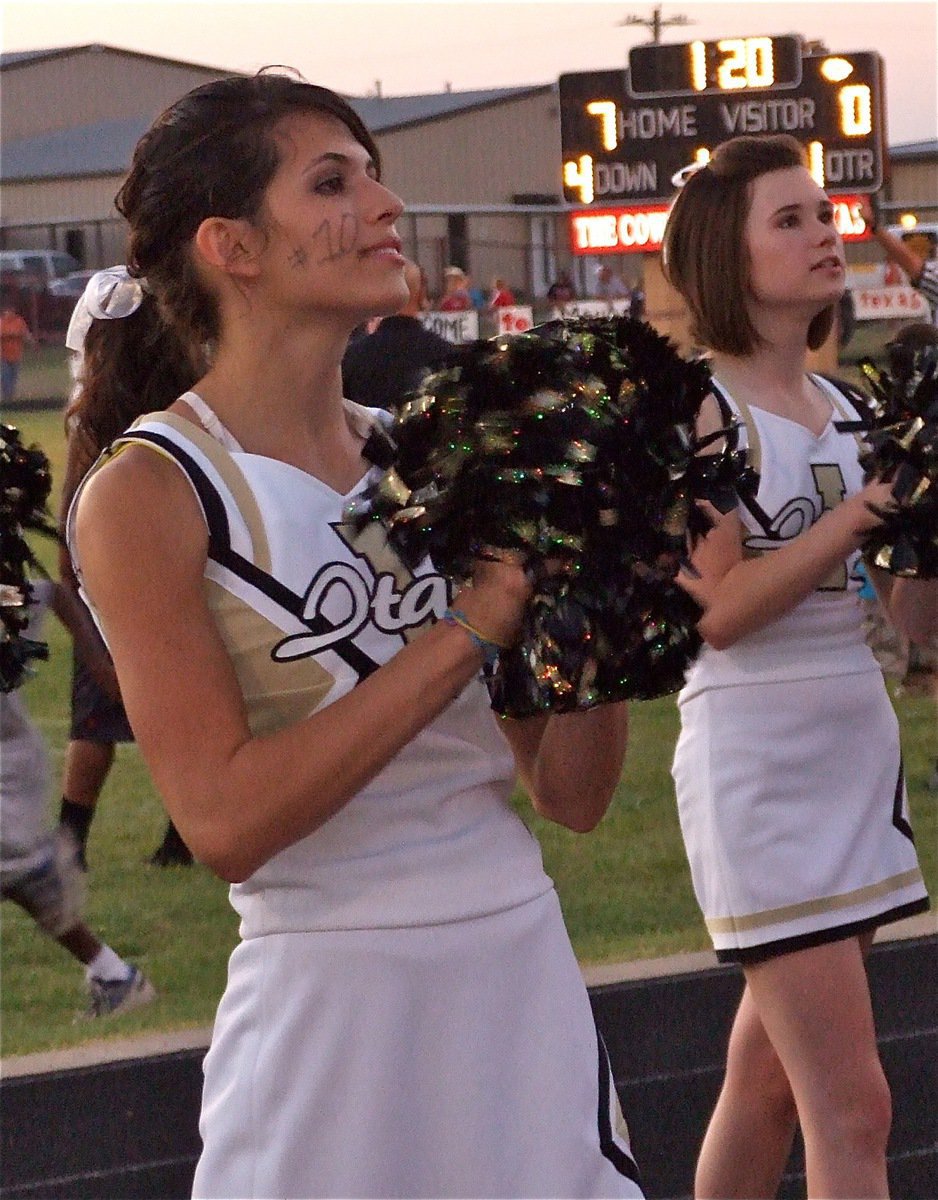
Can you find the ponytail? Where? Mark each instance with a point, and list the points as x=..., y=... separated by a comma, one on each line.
x=128, y=367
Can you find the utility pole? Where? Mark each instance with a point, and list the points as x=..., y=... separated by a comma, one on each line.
x=655, y=23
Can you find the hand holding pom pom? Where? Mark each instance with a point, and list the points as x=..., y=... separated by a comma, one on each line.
x=573, y=446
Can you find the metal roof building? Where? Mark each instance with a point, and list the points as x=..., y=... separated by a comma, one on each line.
x=479, y=170
x=72, y=117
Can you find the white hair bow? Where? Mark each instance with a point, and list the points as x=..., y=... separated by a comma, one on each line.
x=679, y=178
x=109, y=295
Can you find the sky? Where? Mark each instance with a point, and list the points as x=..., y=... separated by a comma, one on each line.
x=427, y=45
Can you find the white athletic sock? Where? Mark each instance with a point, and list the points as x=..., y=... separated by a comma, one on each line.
x=107, y=966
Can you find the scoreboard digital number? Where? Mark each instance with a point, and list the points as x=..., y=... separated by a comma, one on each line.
x=626, y=134
x=730, y=65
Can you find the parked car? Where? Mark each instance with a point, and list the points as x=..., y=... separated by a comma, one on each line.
x=44, y=265
x=72, y=284
x=26, y=279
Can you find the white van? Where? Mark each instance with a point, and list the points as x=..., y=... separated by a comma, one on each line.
x=44, y=264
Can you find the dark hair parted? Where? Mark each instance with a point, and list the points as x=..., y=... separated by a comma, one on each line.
x=211, y=154
x=704, y=255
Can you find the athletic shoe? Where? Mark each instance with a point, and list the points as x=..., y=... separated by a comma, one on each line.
x=119, y=995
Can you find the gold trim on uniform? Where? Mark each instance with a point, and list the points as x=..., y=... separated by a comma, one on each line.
x=276, y=694
x=231, y=475
x=810, y=908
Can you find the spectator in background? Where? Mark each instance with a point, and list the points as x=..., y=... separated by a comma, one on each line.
x=501, y=295
x=609, y=285
x=476, y=294
x=456, y=294
x=846, y=318
x=922, y=272
x=890, y=647
x=39, y=869
x=561, y=291
x=382, y=367
x=14, y=335
x=637, y=302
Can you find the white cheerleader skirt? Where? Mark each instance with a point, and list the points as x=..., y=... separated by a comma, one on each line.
x=453, y=1060
x=794, y=813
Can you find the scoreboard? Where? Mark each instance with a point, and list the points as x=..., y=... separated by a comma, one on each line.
x=626, y=135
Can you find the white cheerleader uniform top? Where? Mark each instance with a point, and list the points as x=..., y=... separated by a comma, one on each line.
x=801, y=476
x=307, y=609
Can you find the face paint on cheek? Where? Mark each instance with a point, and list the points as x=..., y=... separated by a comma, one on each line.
x=348, y=233
x=299, y=258
x=331, y=242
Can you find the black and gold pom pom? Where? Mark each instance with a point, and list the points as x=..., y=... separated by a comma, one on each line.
x=25, y=482
x=574, y=444
x=903, y=450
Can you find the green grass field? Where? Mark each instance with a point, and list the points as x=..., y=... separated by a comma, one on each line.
x=44, y=373
x=625, y=888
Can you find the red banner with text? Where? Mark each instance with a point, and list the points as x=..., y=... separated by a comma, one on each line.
x=639, y=229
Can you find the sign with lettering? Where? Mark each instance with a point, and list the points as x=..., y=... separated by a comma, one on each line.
x=640, y=229
x=595, y=308
x=626, y=134
x=516, y=318
x=617, y=230
x=457, y=327
x=889, y=303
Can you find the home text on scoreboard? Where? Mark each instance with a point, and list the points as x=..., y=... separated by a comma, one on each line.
x=626, y=134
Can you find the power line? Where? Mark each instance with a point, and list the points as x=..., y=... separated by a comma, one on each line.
x=655, y=23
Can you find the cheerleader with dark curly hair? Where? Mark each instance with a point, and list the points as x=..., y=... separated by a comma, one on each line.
x=404, y=1014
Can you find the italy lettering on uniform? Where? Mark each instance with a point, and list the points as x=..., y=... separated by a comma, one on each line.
x=343, y=597
x=798, y=515
x=831, y=487
x=829, y=481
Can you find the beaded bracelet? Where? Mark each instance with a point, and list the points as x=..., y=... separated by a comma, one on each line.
x=489, y=649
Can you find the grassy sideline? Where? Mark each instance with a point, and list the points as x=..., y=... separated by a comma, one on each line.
x=625, y=889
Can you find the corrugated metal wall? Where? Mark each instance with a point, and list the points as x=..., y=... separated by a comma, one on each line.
x=60, y=200
x=485, y=156
x=96, y=84
x=914, y=183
